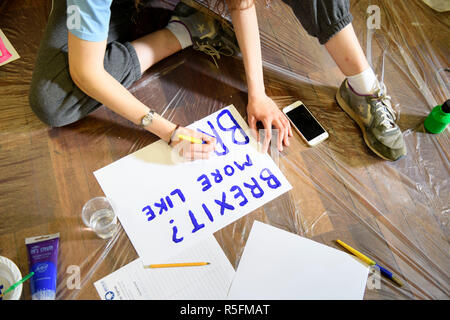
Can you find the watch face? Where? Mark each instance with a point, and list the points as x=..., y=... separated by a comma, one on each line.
x=147, y=119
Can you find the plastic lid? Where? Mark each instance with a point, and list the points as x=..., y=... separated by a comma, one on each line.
x=446, y=106
x=10, y=274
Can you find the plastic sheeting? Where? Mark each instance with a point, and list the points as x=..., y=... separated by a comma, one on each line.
x=396, y=213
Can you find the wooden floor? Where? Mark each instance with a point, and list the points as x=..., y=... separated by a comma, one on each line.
x=397, y=213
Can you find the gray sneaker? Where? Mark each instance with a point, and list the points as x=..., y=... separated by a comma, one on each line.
x=376, y=118
x=208, y=34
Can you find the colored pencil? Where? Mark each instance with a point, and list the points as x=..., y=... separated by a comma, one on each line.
x=369, y=261
x=172, y=265
x=357, y=253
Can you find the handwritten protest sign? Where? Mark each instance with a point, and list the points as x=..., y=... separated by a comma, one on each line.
x=166, y=206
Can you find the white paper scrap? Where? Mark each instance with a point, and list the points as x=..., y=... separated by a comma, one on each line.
x=277, y=264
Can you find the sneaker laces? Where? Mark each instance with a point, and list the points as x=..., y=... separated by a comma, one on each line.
x=210, y=50
x=384, y=106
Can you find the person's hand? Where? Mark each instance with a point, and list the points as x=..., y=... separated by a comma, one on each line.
x=190, y=150
x=265, y=110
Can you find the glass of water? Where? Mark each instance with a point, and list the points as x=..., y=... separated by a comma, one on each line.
x=98, y=215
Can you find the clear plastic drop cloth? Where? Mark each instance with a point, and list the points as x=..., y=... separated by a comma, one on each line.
x=397, y=213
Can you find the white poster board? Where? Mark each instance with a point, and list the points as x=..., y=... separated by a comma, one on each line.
x=277, y=264
x=165, y=205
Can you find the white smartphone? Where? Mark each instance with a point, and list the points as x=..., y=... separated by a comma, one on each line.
x=304, y=122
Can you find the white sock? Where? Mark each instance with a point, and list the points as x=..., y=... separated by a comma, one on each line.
x=181, y=33
x=364, y=82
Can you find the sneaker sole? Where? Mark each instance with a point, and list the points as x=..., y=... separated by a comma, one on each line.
x=344, y=106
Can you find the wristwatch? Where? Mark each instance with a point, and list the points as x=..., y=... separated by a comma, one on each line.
x=147, y=119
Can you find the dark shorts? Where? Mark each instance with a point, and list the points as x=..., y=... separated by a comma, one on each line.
x=53, y=96
x=322, y=18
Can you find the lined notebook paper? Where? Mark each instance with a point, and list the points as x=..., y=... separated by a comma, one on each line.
x=211, y=282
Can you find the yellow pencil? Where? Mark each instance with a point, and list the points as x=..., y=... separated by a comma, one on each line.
x=172, y=265
x=385, y=272
x=357, y=253
x=191, y=139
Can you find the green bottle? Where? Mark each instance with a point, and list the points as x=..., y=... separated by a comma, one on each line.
x=438, y=119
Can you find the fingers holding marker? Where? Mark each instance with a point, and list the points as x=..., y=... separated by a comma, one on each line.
x=200, y=149
x=195, y=145
x=202, y=144
x=191, y=151
x=209, y=142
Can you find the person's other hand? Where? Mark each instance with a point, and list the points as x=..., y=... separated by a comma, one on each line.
x=264, y=109
x=190, y=150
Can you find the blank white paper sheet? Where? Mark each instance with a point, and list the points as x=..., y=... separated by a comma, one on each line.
x=211, y=282
x=277, y=264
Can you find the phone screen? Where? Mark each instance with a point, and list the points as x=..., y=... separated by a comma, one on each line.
x=305, y=122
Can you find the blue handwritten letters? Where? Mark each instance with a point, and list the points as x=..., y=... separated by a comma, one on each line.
x=231, y=197
x=236, y=195
x=164, y=205
x=239, y=139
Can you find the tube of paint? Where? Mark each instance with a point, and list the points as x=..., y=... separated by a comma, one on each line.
x=43, y=258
